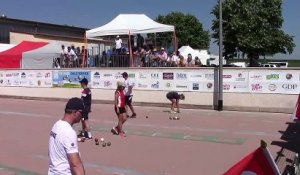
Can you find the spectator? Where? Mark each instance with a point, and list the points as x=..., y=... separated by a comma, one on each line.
x=84, y=55
x=190, y=62
x=56, y=65
x=154, y=58
x=71, y=57
x=174, y=59
x=197, y=62
x=181, y=61
x=163, y=54
x=140, y=41
x=118, y=42
x=136, y=57
x=63, y=55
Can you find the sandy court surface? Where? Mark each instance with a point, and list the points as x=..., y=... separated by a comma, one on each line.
x=201, y=142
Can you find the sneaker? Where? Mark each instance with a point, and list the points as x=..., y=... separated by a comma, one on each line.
x=114, y=131
x=133, y=115
x=81, y=134
x=123, y=134
x=86, y=136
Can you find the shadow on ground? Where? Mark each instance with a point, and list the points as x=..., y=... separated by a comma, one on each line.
x=289, y=147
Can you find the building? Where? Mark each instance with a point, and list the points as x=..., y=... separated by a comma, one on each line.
x=14, y=31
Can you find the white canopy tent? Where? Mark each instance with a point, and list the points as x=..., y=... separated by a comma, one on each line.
x=41, y=58
x=128, y=24
x=202, y=54
x=125, y=24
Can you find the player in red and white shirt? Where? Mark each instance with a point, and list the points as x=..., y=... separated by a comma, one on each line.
x=120, y=109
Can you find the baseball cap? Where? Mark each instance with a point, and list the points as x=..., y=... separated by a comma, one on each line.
x=84, y=80
x=125, y=74
x=75, y=104
x=120, y=83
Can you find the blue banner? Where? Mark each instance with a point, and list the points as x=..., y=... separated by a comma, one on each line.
x=69, y=78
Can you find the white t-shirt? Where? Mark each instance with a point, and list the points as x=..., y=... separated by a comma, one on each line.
x=72, y=54
x=128, y=83
x=63, y=141
x=118, y=43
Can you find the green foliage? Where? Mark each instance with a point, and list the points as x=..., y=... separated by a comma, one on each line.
x=189, y=30
x=252, y=27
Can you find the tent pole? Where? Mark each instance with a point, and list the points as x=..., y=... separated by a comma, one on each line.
x=130, y=49
x=155, y=40
x=175, y=41
x=84, y=50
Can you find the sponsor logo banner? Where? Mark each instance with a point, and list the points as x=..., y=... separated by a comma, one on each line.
x=181, y=76
x=168, y=76
x=70, y=79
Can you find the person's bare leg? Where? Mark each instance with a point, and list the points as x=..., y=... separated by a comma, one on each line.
x=173, y=104
x=87, y=127
x=120, y=123
x=126, y=108
x=132, y=110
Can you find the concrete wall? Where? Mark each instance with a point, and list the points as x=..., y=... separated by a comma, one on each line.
x=232, y=101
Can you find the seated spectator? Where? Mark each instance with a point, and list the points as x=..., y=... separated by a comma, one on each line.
x=181, y=61
x=197, y=62
x=174, y=59
x=190, y=62
x=163, y=55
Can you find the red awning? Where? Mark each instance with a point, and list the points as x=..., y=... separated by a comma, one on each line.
x=11, y=58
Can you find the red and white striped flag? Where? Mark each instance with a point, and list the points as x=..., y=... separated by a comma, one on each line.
x=259, y=162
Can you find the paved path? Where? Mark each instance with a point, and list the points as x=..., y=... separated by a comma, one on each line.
x=201, y=142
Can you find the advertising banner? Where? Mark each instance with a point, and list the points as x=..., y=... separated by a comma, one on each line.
x=2, y=75
x=274, y=81
x=69, y=78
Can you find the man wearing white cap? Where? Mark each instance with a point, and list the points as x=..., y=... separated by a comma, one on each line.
x=118, y=44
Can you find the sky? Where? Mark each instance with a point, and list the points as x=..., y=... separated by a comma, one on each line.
x=95, y=13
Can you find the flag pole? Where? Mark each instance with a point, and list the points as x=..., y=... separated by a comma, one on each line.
x=220, y=89
x=269, y=157
x=130, y=49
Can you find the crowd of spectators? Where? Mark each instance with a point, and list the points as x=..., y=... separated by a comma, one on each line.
x=146, y=55
x=70, y=57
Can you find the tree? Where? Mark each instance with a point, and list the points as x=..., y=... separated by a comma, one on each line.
x=252, y=27
x=189, y=30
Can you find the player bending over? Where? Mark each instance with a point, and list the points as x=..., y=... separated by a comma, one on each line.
x=174, y=97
